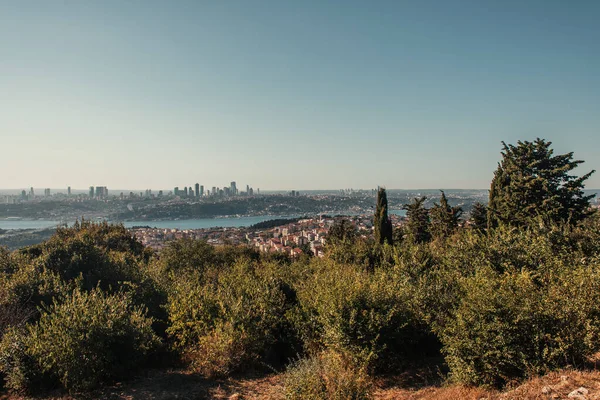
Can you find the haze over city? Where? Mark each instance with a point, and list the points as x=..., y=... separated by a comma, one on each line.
x=291, y=95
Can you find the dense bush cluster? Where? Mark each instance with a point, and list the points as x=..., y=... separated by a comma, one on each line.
x=490, y=304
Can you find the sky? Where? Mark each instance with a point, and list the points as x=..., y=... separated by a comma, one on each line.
x=291, y=94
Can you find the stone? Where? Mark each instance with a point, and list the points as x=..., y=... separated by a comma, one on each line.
x=579, y=394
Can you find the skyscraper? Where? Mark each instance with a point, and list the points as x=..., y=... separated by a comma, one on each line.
x=233, y=189
x=91, y=193
x=69, y=191
x=201, y=190
x=176, y=191
x=31, y=194
x=197, y=190
x=185, y=191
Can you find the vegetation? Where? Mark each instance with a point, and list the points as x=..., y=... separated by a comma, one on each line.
x=381, y=221
x=489, y=304
x=531, y=183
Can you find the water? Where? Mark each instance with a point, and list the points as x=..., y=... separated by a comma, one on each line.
x=171, y=224
x=18, y=224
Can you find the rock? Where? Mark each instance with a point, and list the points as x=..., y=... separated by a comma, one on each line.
x=579, y=394
x=546, y=390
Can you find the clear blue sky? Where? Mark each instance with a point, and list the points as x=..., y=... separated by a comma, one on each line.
x=291, y=94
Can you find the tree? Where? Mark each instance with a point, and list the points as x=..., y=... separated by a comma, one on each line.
x=444, y=218
x=417, y=225
x=478, y=218
x=342, y=231
x=530, y=183
x=381, y=221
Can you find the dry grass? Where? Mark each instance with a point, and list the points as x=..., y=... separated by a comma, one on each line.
x=177, y=384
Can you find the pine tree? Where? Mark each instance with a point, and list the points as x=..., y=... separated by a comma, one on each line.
x=381, y=221
x=417, y=224
x=444, y=218
x=531, y=183
x=478, y=218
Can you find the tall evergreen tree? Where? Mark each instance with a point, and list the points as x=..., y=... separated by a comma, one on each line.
x=381, y=221
x=531, y=182
x=478, y=219
x=417, y=224
x=444, y=218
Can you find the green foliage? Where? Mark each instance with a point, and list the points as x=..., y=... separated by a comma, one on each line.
x=232, y=320
x=341, y=232
x=381, y=221
x=531, y=183
x=478, y=218
x=418, y=225
x=509, y=326
x=328, y=375
x=79, y=342
x=365, y=316
x=444, y=218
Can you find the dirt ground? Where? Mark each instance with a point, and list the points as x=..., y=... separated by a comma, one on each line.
x=179, y=384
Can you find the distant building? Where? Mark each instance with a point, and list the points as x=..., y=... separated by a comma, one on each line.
x=69, y=191
x=201, y=191
x=91, y=193
x=233, y=188
x=197, y=191
x=185, y=191
x=31, y=193
x=176, y=191
x=101, y=192
x=47, y=192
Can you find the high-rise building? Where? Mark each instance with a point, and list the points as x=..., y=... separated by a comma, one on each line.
x=69, y=191
x=176, y=191
x=31, y=194
x=47, y=192
x=233, y=188
x=197, y=194
x=185, y=191
x=214, y=191
x=91, y=193
x=23, y=195
x=101, y=192
x=201, y=191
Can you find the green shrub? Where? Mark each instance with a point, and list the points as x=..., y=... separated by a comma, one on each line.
x=364, y=315
x=79, y=342
x=328, y=376
x=239, y=314
x=510, y=326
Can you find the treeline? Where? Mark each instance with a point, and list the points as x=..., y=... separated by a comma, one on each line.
x=487, y=303
x=272, y=223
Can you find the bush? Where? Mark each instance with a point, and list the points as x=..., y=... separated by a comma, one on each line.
x=364, y=315
x=79, y=342
x=328, y=376
x=510, y=326
x=240, y=314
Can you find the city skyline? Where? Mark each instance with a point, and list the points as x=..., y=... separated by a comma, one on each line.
x=292, y=96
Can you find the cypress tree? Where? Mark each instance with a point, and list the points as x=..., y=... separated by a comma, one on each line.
x=444, y=218
x=478, y=219
x=381, y=221
x=531, y=183
x=417, y=224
